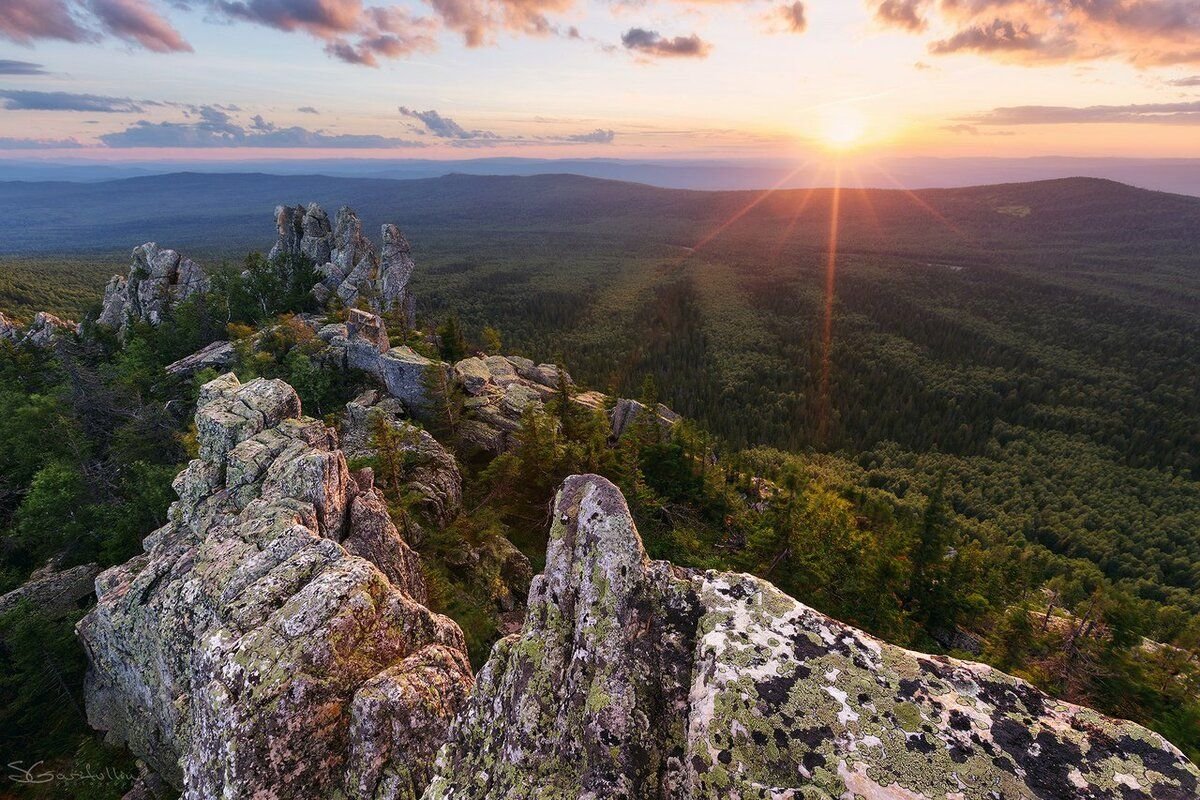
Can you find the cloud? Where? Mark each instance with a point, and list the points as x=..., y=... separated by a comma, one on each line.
x=444, y=127
x=22, y=21
x=1145, y=33
x=598, y=136
x=995, y=37
x=25, y=100
x=901, y=14
x=651, y=43
x=307, y=110
x=8, y=67
x=1191, y=80
x=136, y=21
x=480, y=20
x=973, y=130
x=351, y=32
x=1154, y=113
x=792, y=17
x=217, y=129
x=8, y=143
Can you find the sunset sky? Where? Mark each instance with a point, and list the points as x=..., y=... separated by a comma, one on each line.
x=222, y=79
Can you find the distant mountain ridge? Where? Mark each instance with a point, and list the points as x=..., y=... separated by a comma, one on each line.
x=186, y=208
x=1163, y=174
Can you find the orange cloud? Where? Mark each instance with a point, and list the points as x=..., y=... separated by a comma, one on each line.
x=1145, y=33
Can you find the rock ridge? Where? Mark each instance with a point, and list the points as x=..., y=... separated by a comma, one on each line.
x=632, y=678
x=271, y=641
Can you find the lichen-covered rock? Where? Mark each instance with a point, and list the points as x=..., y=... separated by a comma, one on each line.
x=395, y=269
x=635, y=679
x=249, y=652
x=407, y=375
x=9, y=328
x=158, y=280
x=54, y=592
x=349, y=265
x=217, y=355
x=42, y=332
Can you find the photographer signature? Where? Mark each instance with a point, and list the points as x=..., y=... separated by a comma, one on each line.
x=36, y=773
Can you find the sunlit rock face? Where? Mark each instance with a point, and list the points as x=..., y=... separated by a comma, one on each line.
x=633, y=678
x=272, y=640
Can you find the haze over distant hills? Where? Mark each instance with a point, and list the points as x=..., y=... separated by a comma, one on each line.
x=1047, y=222
x=1172, y=175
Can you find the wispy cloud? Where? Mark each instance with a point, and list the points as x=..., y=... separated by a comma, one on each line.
x=479, y=21
x=1188, y=82
x=444, y=127
x=598, y=136
x=9, y=67
x=217, y=128
x=1151, y=113
x=352, y=32
x=135, y=21
x=11, y=143
x=653, y=44
x=26, y=100
x=791, y=17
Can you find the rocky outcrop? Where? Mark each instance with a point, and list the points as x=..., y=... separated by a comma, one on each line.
x=636, y=679
x=217, y=355
x=498, y=390
x=419, y=463
x=10, y=329
x=158, y=280
x=395, y=270
x=54, y=592
x=42, y=332
x=362, y=343
x=272, y=641
x=349, y=266
x=626, y=412
x=44, y=329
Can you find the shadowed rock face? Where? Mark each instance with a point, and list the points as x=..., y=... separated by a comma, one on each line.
x=632, y=678
x=348, y=263
x=249, y=652
x=158, y=280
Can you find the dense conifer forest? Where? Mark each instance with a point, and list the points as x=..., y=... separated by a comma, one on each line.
x=985, y=441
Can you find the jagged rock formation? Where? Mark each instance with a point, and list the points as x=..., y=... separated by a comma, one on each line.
x=271, y=641
x=54, y=592
x=636, y=679
x=349, y=266
x=158, y=280
x=427, y=470
x=44, y=329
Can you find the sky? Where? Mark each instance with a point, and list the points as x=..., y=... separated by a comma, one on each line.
x=128, y=80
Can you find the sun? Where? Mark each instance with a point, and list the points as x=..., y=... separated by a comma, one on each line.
x=842, y=127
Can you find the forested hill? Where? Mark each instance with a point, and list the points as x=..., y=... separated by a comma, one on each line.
x=187, y=208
